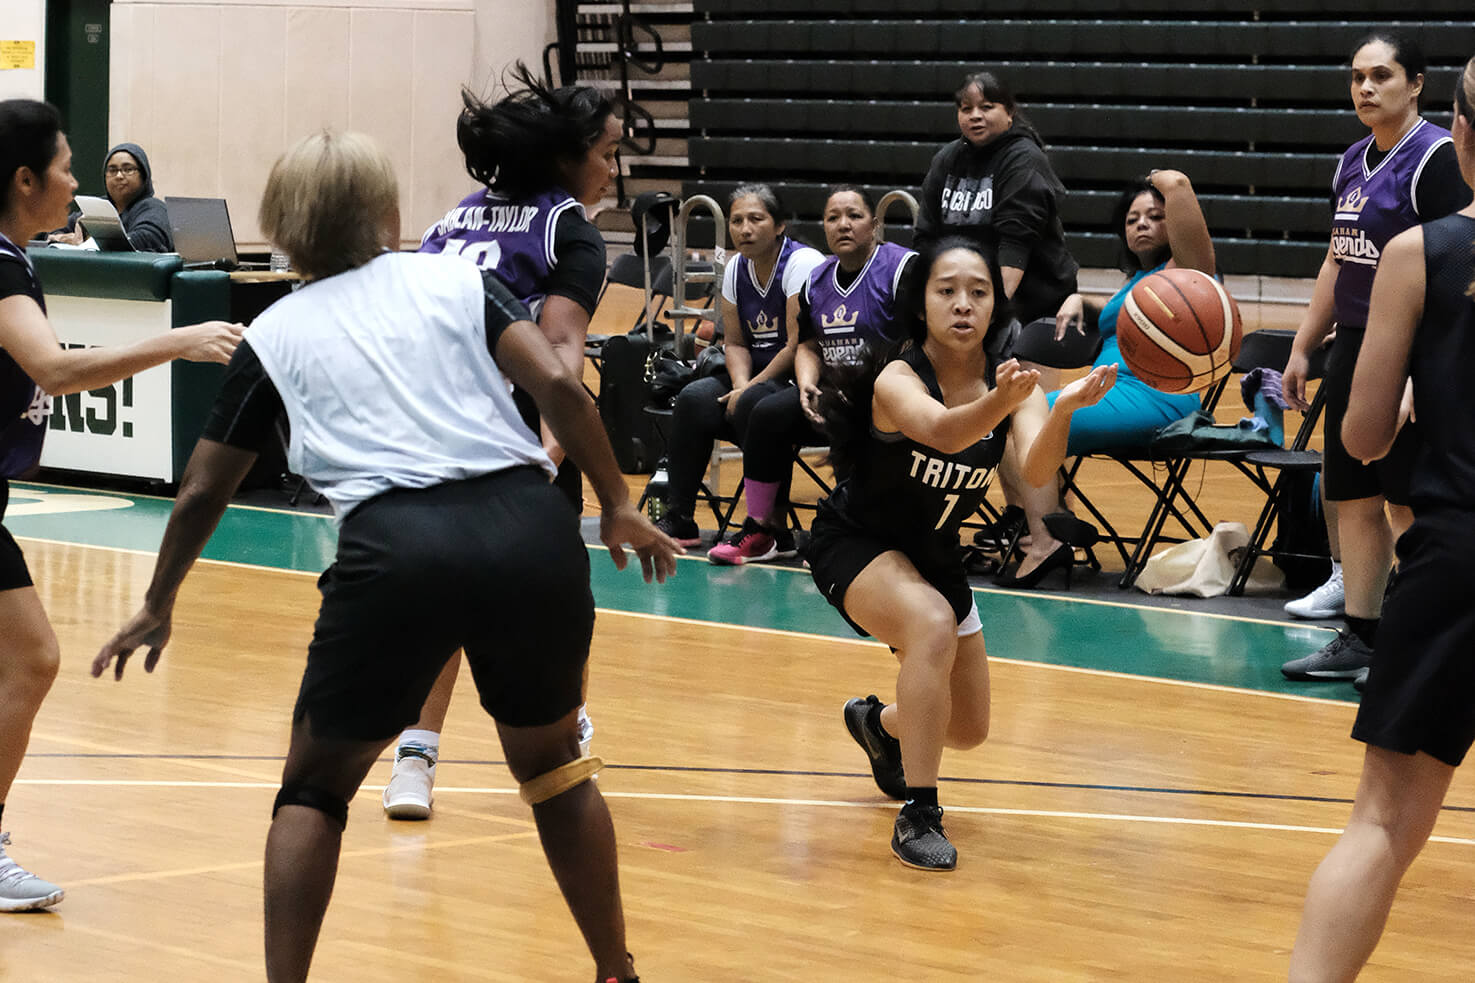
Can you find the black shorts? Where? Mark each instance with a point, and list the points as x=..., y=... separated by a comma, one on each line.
x=1346, y=477
x=1421, y=691
x=494, y=565
x=13, y=570
x=838, y=552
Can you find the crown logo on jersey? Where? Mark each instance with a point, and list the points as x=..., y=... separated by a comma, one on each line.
x=839, y=319
x=761, y=324
x=1351, y=204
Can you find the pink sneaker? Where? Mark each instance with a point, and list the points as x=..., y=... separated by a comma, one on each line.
x=753, y=544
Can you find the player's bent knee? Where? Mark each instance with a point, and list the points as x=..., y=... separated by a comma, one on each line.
x=554, y=783
x=308, y=796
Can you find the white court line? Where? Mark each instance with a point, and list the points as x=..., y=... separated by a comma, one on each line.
x=770, y=801
x=810, y=636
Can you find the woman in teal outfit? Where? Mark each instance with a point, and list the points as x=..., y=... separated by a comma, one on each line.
x=1161, y=226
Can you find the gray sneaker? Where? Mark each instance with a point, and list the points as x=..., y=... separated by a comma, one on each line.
x=21, y=890
x=918, y=840
x=1340, y=659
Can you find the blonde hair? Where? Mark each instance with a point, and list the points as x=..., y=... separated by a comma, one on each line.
x=327, y=202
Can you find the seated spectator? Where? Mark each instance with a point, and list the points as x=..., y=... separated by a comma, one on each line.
x=130, y=186
x=847, y=306
x=1161, y=226
x=760, y=301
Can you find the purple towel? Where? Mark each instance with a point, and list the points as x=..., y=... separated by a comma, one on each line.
x=1267, y=382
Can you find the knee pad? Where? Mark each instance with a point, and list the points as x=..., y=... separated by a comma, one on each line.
x=558, y=781
x=325, y=802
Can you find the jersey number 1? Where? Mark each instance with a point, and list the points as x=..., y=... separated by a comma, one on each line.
x=950, y=501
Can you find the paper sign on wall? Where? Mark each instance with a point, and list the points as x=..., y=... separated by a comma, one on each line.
x=17, y=54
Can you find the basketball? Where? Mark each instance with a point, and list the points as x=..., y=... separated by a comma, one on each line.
x=1181, y=331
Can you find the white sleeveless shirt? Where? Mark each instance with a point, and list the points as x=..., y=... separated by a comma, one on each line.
x=387, y=381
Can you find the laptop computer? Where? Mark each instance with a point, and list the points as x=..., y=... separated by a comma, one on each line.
x=202, y=234
x=101, y=221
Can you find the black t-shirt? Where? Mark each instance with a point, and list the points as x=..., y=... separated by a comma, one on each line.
x=14, y=280
x=1440, y=189
x=579, y=274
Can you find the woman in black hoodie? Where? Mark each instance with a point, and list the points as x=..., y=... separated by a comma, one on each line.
x=130, y=185
x=994, y=185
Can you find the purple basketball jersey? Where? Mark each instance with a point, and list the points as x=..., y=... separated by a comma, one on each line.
x=845, y=319
x=763, y=308
x=24, y=407
x=1374, y=204
x=512, y=238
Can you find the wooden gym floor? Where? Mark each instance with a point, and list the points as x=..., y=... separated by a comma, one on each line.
x=1149, y=806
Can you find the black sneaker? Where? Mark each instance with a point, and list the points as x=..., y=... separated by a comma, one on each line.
x=883, y=750
x=680, y=528
x=919, y=841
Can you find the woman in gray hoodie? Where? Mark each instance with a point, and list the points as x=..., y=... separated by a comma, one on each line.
x=130, y=186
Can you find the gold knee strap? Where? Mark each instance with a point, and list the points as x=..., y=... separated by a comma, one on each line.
x=560, y=779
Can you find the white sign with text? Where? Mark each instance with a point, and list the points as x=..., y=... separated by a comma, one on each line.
x=125, y=428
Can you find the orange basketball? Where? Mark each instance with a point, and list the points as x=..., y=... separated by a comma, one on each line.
x=1180, y=330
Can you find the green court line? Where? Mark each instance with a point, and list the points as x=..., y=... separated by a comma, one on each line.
x=1139, y=640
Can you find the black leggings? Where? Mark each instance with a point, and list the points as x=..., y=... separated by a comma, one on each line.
x=697, y=421
x=776, y=428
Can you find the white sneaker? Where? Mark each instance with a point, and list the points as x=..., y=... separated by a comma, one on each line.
x=1327, y=601
x=21, y=890
x=586, y=731
x=408, y=794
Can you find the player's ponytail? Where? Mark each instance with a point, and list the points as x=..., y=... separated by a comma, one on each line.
x=515, y=145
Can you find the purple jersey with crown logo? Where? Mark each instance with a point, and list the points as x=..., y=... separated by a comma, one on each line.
x=23, y=405
x=514, y=238
x=762, y=308
x=844, y=319
x=1374, y=204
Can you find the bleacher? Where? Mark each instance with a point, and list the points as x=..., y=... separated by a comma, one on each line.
x=1248, y=97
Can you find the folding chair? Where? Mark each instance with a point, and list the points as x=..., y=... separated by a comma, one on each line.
x=1268, y=348
x=1295, y=459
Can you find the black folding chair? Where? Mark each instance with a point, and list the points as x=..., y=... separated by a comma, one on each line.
x=1284, y=463
x=1269, y=349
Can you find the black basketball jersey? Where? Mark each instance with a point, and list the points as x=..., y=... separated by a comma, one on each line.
x=23, y=406
x=1441, y=363
x=913, y=497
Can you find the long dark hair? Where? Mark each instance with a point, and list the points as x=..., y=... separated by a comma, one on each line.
x=1406, y=52
x=846, y=391
x=28, y=138
x=1127, y=261
x=516, y=145
x=995, y=89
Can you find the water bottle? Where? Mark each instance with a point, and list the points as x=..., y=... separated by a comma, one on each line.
x=655, y=492
x=279, y=262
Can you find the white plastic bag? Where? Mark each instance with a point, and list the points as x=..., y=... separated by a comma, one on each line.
x=1204, y=567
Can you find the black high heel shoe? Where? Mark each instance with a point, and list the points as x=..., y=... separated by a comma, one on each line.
x=1064, y=558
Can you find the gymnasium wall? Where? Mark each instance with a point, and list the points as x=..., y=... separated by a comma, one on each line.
x=24, y=20
x=214, y=90
x=1249, y=97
